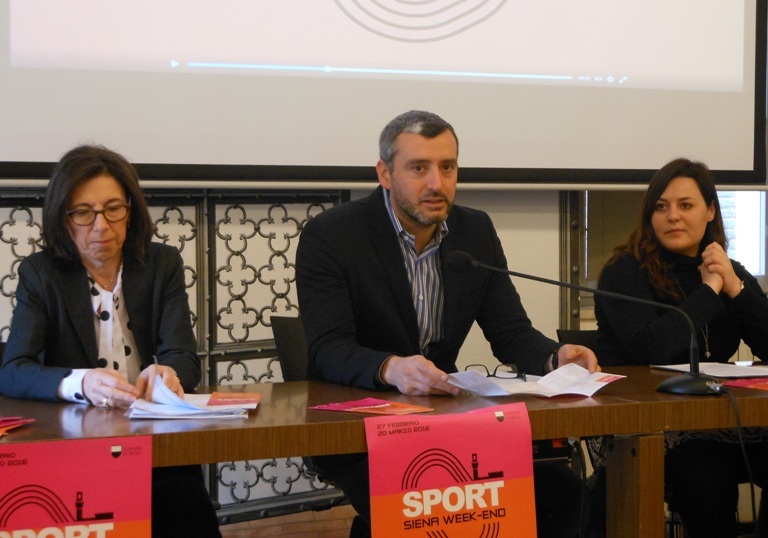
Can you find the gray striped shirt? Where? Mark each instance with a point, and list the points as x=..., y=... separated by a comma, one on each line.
x=425, y=278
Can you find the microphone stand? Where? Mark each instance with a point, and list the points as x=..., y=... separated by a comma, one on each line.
x=693, y=382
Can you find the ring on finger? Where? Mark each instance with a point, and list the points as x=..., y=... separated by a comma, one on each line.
x=105, y=403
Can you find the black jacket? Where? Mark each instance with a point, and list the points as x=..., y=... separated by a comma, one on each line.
x=356, y=304
x=630, y=333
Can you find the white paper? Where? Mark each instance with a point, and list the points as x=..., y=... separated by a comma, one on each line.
x=476, y=383
x=166, y=404
x=718, y=369
x=568, y=379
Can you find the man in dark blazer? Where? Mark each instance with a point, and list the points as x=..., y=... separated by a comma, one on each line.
x=383, y=308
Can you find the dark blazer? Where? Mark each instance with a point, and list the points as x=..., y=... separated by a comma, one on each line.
x=52, y=329
x=356, y=305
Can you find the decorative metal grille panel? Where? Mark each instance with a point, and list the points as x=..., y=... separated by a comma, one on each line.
x=254, y=271
x=20, y=236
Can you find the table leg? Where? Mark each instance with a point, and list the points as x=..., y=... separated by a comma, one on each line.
x=635, y=487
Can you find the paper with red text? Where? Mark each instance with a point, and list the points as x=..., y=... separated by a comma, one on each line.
x=467, y=474
x=570, y=379
x=168, y=405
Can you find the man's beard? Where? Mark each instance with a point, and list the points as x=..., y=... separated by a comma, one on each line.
x=414, y=212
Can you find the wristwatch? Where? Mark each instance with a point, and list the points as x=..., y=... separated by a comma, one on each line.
x=555, y=359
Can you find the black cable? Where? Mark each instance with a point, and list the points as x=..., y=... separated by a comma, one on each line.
x=576, y=448
x=723, y=389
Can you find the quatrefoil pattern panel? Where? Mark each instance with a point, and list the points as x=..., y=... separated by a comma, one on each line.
x=21, y=234
x=254, y=273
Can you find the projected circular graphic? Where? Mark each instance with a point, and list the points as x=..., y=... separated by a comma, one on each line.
x=419, y=20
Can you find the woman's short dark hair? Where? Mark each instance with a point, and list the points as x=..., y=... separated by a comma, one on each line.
x=77, y=166
x=643, y=243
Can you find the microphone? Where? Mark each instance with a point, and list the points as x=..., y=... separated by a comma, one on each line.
x=692, y=382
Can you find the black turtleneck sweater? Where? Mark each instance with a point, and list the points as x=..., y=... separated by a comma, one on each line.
x=631, y=333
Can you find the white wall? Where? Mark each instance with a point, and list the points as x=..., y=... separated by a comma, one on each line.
x=528, y=223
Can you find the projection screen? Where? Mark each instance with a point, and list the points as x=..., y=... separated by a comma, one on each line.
x=538, y=91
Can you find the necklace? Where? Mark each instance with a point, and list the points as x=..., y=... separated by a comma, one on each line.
x=105, y=283
x=705, y=333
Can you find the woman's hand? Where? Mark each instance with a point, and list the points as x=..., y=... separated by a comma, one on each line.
x=108, y=388
x=717, y=271
x=146, y=380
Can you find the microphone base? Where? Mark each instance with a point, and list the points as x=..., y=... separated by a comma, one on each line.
x=693, y=384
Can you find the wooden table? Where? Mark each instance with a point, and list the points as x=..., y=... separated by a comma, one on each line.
x=630, y=409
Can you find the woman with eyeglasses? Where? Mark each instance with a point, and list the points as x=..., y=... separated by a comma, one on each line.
x=101, y=311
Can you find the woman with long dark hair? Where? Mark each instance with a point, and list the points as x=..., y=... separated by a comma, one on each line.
x=677, y=255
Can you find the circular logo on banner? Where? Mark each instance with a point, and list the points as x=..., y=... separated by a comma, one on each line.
x=419, y=20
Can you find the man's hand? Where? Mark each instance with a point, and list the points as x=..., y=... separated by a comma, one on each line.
x=583, y=356
x=416, y=375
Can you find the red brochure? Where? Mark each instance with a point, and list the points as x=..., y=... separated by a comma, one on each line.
x=468, y=474
x=9, y=423
x=82, y=487
x=373, y=406
x=234, y=398
x=760, y=383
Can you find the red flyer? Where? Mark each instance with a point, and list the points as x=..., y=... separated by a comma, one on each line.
x=234, y=398
x=468, y=474
x=373, y=406
x=83, y=487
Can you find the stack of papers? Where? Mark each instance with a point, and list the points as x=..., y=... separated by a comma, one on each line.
x=720, y=369
x=166, y=404
x=568, y=379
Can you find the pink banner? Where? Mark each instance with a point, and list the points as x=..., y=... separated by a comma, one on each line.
x=462, y=475
x=98, y=488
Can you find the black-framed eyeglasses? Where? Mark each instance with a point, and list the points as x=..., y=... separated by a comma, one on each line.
x=502, y=371
x=86, y=217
